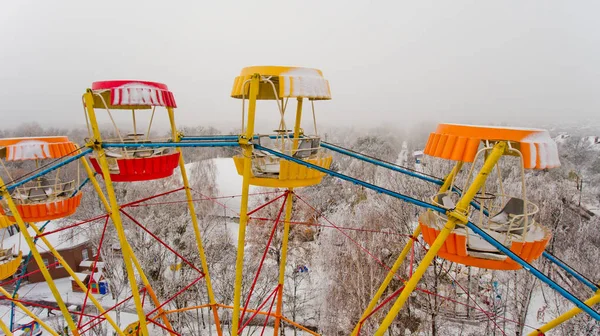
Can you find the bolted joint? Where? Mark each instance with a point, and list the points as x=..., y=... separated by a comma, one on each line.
x=94, y=144
x=242, y=140
x=178, y=136
x=459, y=217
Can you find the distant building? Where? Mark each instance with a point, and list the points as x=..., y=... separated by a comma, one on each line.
x=95, y=282
x=73, y=247
x=73, y=255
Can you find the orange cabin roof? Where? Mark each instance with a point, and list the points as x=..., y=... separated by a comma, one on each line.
x=461, y=143
x=33, y=148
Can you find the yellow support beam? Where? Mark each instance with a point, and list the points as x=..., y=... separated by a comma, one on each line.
x=136, y=263
x=297, y=125
x=28, y=312
x=390, y=276
x=459, y=215
x=114, y=213
x=150, y=290
x=198, y=236
x=283, y=259
x=5, y=328
x=387, y=280
x=449, y=179
x=247, y=152
x=72, y=274
x=565, y=317
x=38, y=258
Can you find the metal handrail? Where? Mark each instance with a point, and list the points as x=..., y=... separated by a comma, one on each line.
x=508, y=229
x=51, y=191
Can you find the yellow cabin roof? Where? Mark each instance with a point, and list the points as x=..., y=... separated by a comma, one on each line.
x=289, y=82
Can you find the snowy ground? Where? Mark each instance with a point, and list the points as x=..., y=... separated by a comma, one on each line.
x=41, y=292
x=541, y=297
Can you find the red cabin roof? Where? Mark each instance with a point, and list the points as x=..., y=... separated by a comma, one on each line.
x=135, y=93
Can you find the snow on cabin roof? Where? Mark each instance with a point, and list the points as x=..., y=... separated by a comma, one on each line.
x=461, y=142
x=62, y=240
x=89, y=263
x=503, y=127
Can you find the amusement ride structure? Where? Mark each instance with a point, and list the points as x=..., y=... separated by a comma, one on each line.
x=477, y=223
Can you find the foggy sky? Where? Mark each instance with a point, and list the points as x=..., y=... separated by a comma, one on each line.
x=388, y=62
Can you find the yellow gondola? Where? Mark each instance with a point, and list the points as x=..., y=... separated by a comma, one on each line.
x=280, y=83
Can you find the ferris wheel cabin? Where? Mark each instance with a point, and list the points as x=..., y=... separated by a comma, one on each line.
x=497, y=209
x=134, y=162
x=279, y=84
x=46, y=197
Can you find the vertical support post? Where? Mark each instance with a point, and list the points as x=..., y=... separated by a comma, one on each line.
x=297, y=125
x=390, y=276
x=247, y=152
x=136, y=263
x=190, y=204
x=115, y=215
x=38, y=258
x=566, y=316
x=459, y=215
x=134, y=124
x=283, y=259
x=49, y=329
x=449, y=179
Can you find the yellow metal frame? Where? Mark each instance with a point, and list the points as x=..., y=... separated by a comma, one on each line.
x=136, y=263
x=390, y=276
x=114, y=209
x=28, y=313
x=247, y=152
x=455, y=216
x=244, y=165
x=5, y=329
x=72, y=274
x=38, y=258
x=197, y=235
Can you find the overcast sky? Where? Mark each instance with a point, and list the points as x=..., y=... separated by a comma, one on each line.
x=388, y=62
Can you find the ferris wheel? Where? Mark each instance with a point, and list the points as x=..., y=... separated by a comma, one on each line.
x=471, y=220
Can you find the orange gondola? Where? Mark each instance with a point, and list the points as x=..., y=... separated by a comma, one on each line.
x=42, y=198
x=510, y=219
x=128, y=164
